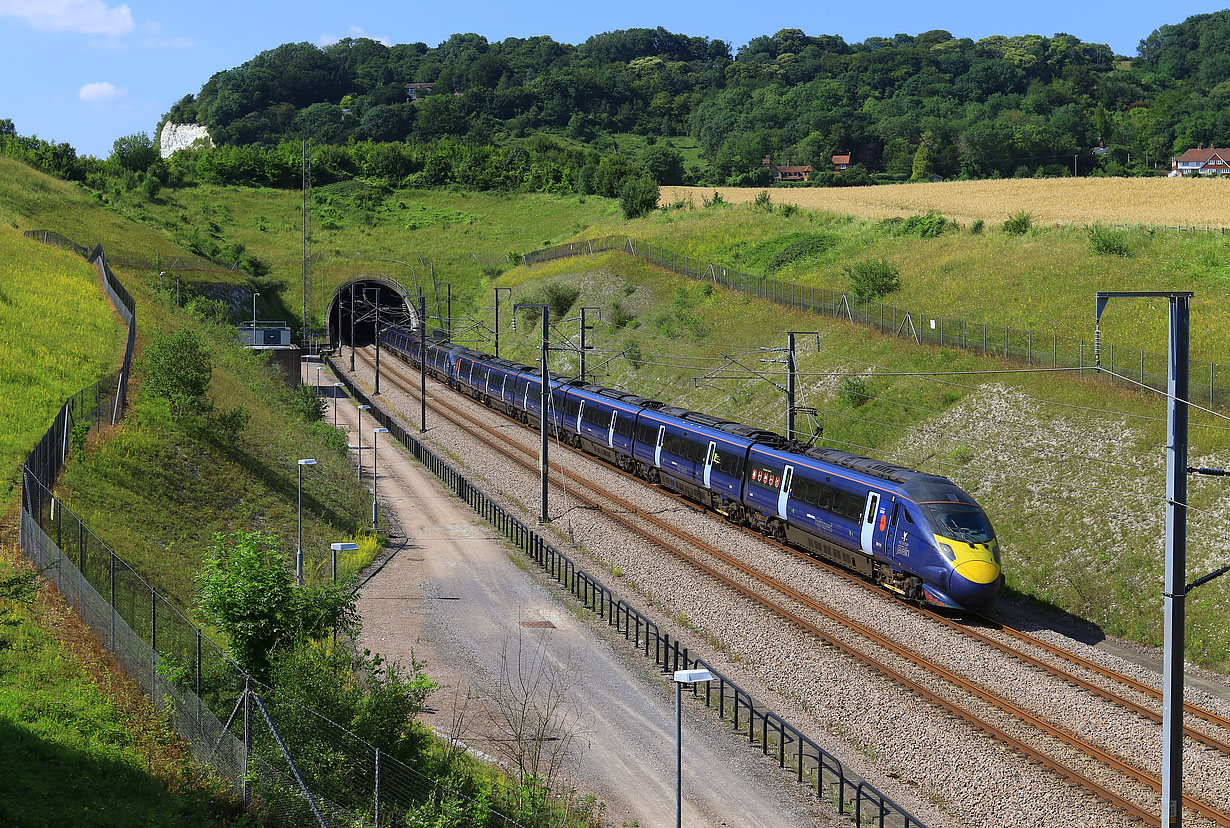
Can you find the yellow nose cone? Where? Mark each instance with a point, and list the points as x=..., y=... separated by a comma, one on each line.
x=978, y=572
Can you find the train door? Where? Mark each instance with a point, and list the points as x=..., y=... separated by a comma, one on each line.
x=870, y=510
x=503, y=385
x=784, y=494
x=657, y=452
x=710, y=456
x=610, y=434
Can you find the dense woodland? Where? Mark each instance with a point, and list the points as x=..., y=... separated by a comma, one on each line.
x=903, y=106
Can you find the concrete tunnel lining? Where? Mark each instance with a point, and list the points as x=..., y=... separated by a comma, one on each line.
x=397, y=307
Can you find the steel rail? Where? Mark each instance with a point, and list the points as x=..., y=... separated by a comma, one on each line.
x=918, y=660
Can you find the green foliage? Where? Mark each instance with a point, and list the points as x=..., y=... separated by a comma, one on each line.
x=638, y=196
x=246, y=590
x=1106, y=241
x=1018, y=224
x=618, y=315
x=663, y=164
x=178, y=368
x=977, y=227
x=800, y=247
x=872, y=278
x=135, y=153
x=854, y=391
x=307, y=404
x=558, y=296
x=927, y=226
x=788, y=210
x=632, y=353
x=763, y=202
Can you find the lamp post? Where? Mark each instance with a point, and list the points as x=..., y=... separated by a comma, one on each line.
x=337, y=392
x=375, y=431
x=254, y=295
x=299, y=546
x=497, y=318
x=682, y=677
x=359, y=429
x=334, y=548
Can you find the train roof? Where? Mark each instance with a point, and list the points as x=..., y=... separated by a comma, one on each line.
x=866, y=465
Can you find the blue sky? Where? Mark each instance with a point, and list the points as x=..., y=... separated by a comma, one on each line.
x=89, y=71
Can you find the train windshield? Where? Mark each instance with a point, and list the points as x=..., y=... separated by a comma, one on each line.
x=960, y=522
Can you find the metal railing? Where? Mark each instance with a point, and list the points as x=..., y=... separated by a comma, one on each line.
x=773, y=735
x=1003, y=341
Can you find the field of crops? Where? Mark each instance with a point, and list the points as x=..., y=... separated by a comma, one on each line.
x=58, y=333
x=1163, y=201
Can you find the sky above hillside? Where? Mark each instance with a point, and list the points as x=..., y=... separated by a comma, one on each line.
x=89, y=71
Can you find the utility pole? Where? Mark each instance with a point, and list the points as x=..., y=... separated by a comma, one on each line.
x=307, y=237
x=544, y=518
x=377, y=391
x=422, y=363
x=1174, y=590
x=449, y=311
x=585, y=327
x=352, y=311
x=790, y=370
x=497, y=318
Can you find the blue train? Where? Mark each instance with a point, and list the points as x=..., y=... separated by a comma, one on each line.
x=918, y=535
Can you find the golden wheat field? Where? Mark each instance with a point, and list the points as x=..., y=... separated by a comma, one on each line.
x=1162, y=201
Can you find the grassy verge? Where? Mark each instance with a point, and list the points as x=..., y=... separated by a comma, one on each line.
x=58, y=333
x=1071, y=471
x=83, y=746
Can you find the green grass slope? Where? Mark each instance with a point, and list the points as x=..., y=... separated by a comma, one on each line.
x=58, y=334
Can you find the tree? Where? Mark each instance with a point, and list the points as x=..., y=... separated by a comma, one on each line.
x=921, y=169
x=134, y=152
x=247, y=591
x=663, y=164
x=177, y=367
x=638, y=197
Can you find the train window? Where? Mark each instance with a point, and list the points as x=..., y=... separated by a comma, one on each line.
x=572, y=407
x=624, y=426
x=854, y=507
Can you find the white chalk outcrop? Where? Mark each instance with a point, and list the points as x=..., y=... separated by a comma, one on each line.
x=176, y=137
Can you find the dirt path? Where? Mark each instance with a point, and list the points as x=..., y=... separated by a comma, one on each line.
x=453, y=596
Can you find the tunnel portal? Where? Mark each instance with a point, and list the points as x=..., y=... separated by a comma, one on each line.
x=355, y=303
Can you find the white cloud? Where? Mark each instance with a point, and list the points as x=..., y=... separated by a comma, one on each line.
x=99, y=94
x=82, y=16
x=356, y=32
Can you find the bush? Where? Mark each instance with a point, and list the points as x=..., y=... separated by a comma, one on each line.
x=177, y=368
x=619, y=316
x=307, y=405
x=789, y=210
x=802, y=248
x=638, y=196
x=632, y=352
x=927, y=226
x=1104, y=241
x=1019, y=224
x=977, y=227
x=763, y=202
x=854, y=391
x=873, y=279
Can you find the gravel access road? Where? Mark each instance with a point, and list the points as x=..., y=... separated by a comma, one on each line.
x=454, y=596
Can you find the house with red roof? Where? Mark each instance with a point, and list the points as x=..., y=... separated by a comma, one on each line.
x=841, y=162
x=1201, y=161
x=788, y=173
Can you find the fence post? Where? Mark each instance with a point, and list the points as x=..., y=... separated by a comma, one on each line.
x=247, y=740
x=1210, y=385
x=112, y=600
x=376, y=807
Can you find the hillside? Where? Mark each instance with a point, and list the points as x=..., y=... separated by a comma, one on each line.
x=903, y=105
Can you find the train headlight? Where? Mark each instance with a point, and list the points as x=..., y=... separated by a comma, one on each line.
x=946, y=552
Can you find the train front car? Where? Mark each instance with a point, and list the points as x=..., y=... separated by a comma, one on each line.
x=965, y=571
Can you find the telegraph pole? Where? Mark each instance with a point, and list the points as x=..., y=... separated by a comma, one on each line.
x=422, y=363
x=377, y=392
x=584, y=347
x=544, y=517
x=1174, y=590
x=352, y=311
x=790, y=385
x=497, y=318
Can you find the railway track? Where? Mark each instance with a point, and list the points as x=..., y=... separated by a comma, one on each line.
x=528, y=460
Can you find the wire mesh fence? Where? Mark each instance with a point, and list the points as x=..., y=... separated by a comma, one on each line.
x=1209, y=384
x=764, y=729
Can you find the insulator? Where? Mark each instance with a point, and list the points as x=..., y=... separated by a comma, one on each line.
x=1097, y=347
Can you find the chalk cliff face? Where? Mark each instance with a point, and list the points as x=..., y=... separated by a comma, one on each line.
x=176, y=137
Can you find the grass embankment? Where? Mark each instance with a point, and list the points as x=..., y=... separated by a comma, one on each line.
x=1195, y=201
x=1076, y=496
x=82, y=745
x=1044, y=280
x=466, y=235
x=58, y=333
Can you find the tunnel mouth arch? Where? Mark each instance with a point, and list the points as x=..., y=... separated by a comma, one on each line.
x=352, y=310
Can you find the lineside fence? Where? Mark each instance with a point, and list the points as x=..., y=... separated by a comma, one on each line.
x=766, y=730
x=290, y=764
x=1211, y=385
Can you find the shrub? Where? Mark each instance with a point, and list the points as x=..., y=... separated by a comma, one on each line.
x=873, y=278
x=977, y=227
x=802, y=248
x=927, y=226
x=1104, y=241
x=854, y=391
x=307, y=404
x=1019, y=224
x=632, y=352
x=763, y=202
x=560, y=297
x=789, y=210
x=638, y=196
x=619, y=316
x=177, y=368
